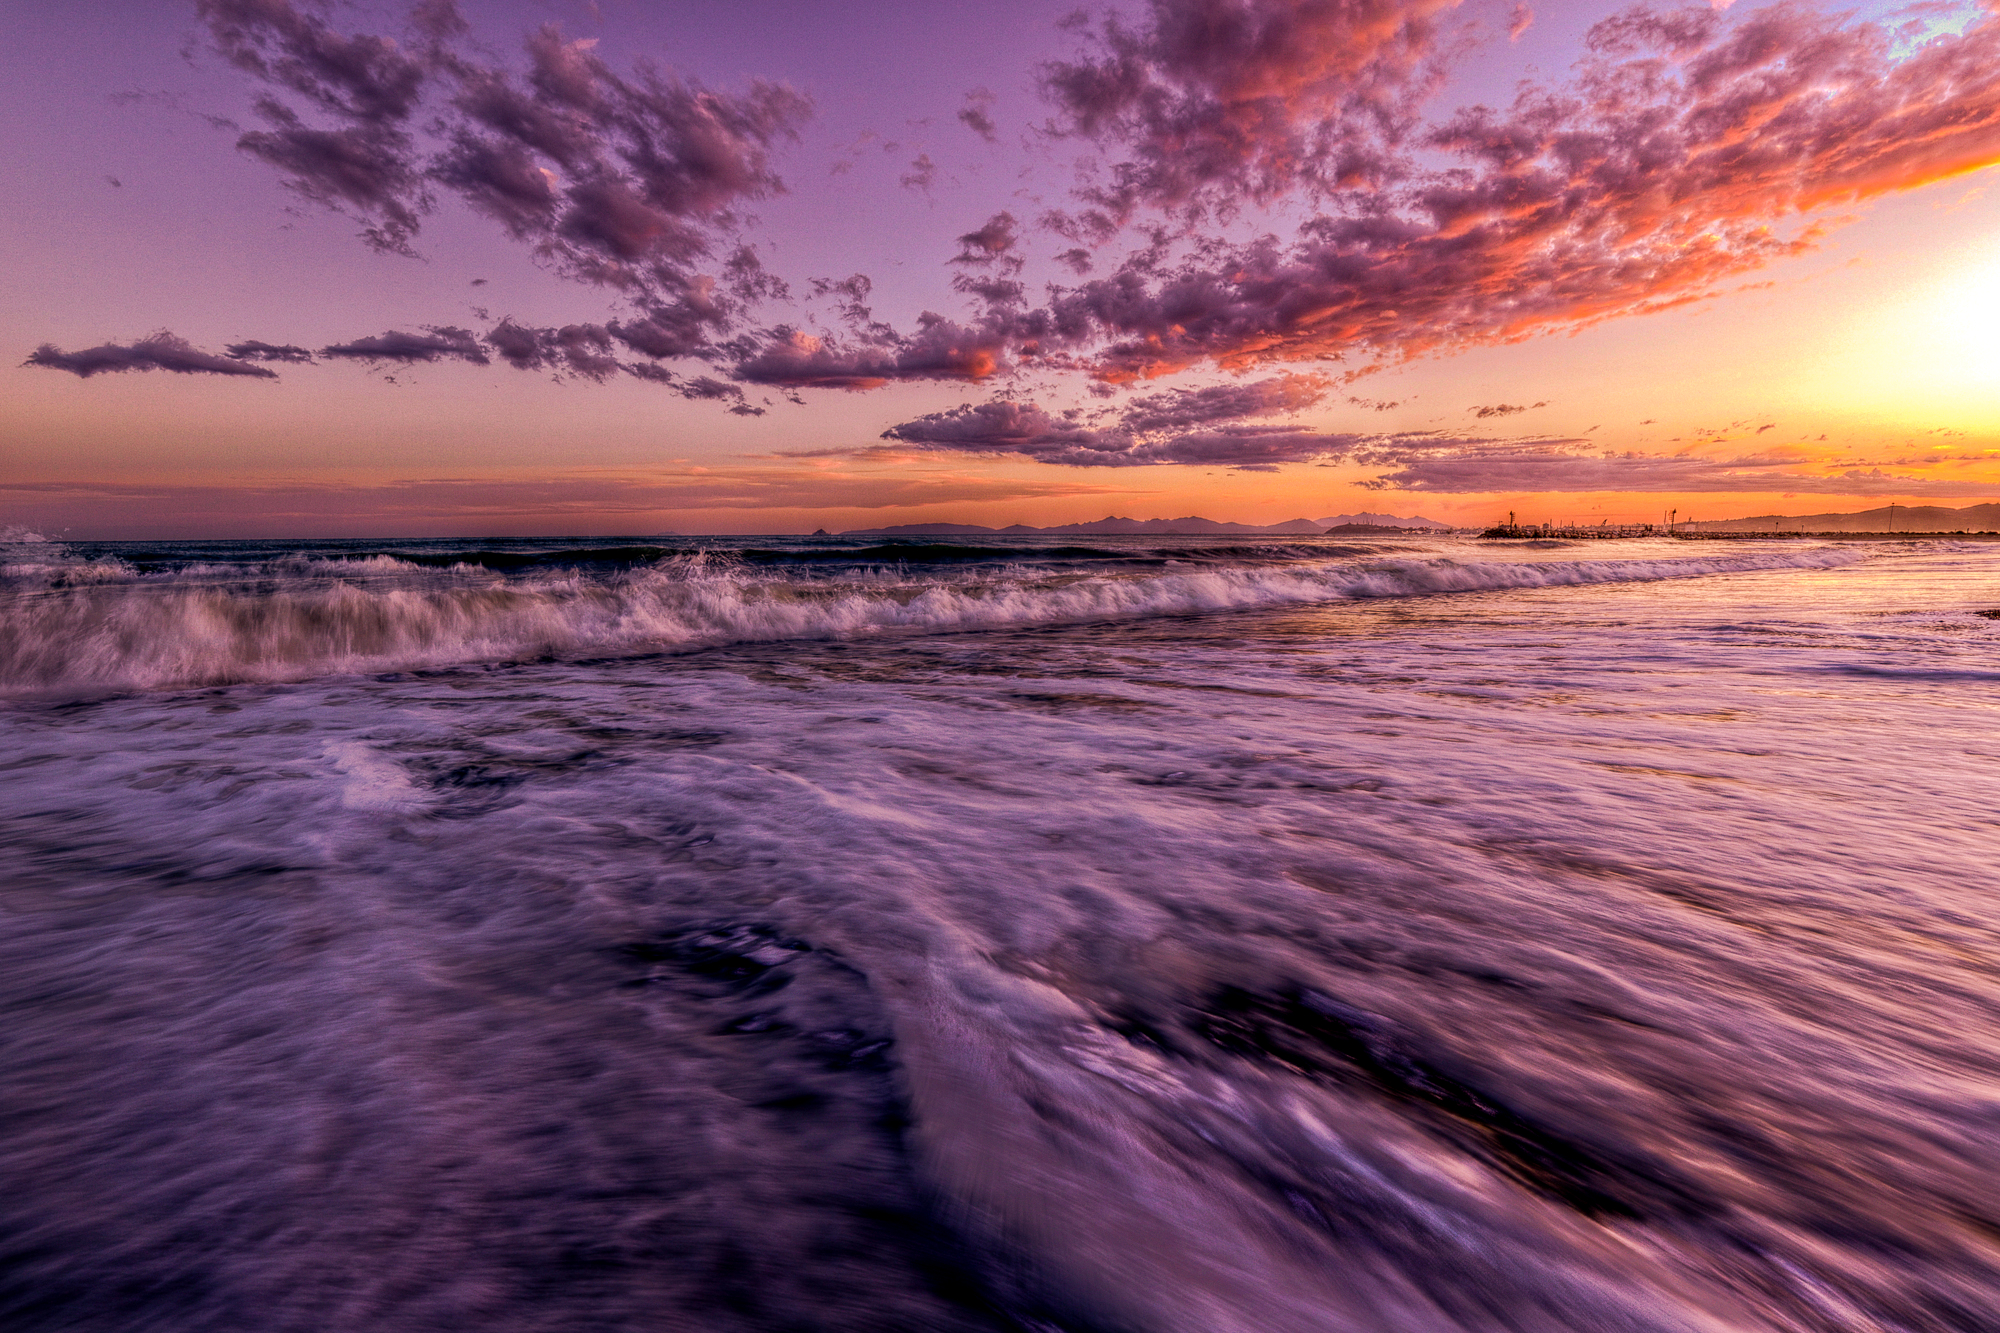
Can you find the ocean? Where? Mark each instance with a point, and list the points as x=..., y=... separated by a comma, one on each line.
x=1106, y=935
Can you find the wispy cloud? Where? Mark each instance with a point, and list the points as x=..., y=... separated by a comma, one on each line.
x=285, y=353
x=160, y=351
x=976, y=115
x=435, y=343
x=1208, y=425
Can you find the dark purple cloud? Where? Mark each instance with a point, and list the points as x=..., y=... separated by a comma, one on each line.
x=363, y=78
x=1219, y=103
x=1503, y=409
x=1005, y=426
x=702, y=388
x=357, y=168
x=259, y=351
x=1185, y=409
x=161, y=351
x=625, y=182
x=1181, y=426
x=1000, y=234
x=575, y=349
x=629, y=181
x=368, y=85
x=940, y=349
x=682, y=327
x=436, y=343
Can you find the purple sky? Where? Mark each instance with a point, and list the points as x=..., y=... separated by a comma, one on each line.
x=284, y=269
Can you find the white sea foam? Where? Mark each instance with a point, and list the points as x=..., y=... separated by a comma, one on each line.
x=98, y=625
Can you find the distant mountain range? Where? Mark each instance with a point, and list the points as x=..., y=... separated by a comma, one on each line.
x=1888, y=518
x=1368, y=520
x=1151, y=527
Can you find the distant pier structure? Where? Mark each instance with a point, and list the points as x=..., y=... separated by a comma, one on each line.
x=1571, y=532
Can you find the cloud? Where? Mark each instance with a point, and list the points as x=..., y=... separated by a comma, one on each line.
x=366, y=79
x=1180, y=426
x=1503, y=409
x=576, y=349
x=368, y=84
x=703, y=388
x=627, y=182
x=259, y=351
x=1218, y=103
x=679, y=328
x=435, y=343
x=974, y=115
x=1659, y=171
x=1000, y=235
x=921, y=175
x=1214, y=427
x=161, y=351
x=1184, y=409
x=365, y=169
x=1522, y=19
x=1005, y=426
x=1688, y=147
x=939, y=350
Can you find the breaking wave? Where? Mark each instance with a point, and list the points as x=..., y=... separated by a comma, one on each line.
x=72, y=624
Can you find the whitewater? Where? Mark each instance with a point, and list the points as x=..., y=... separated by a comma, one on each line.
x=1099, y=935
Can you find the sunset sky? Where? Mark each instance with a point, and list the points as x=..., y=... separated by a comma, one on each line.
x=634, y=266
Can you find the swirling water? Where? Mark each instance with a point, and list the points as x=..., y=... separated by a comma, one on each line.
x=1177, y=935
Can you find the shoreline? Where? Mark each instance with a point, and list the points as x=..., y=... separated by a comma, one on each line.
x=1593, y=534
x=1837, y=536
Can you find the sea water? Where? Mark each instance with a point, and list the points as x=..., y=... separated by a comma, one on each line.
x=1120, y=934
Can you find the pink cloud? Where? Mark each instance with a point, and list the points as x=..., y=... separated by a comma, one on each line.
x=1660, y=171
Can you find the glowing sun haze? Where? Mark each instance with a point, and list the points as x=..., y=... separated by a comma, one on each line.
x=286, y=268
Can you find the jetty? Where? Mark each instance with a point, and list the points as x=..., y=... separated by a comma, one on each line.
x=1569, y=532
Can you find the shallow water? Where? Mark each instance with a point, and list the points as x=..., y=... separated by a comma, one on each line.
x=1148, y=935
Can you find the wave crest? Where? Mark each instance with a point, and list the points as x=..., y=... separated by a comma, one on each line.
x=63, y=630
